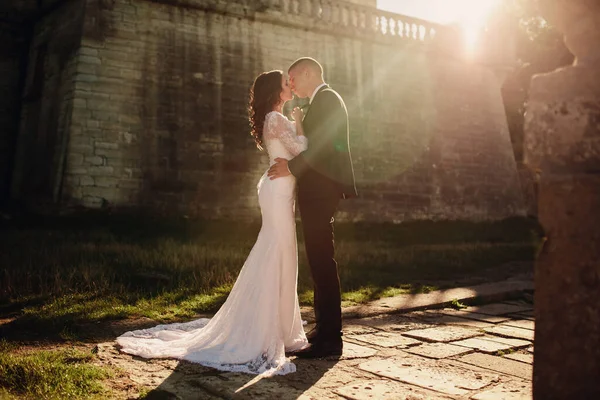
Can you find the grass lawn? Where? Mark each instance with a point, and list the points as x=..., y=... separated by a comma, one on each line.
x=49, y=374
x=56, y=271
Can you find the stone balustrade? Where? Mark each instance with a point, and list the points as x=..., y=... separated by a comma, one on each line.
x=358, y=19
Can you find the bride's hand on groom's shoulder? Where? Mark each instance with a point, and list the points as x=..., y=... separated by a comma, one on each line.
x=279, y=169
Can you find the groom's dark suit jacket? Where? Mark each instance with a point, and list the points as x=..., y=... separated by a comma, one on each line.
x=327, y=162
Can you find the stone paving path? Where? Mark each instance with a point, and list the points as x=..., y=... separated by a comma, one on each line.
x=477, y=353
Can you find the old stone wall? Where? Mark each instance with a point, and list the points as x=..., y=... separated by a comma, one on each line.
x=159, y=112
x=47, y=98
x=10, y=59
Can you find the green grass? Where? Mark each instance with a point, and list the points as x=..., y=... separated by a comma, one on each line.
x=62, y=271
x=49, y=374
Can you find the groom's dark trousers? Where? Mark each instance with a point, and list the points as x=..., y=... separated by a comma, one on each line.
x=317, y=222
x=325, y=175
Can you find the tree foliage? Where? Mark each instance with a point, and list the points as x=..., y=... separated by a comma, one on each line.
x=540, y=48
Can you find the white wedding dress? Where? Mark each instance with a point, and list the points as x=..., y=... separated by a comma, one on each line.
x=260, y=320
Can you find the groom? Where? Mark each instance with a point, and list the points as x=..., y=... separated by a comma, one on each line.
x=324, y=175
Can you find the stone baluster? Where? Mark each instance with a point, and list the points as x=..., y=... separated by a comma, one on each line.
x=431, y=32
x=400, y=29
x=317, y=9
x=562, y=136
x=354, y=18
x=393, y=26
x=327, y=13
x=345, y=15
x=361, y=20
x=370, y=22
x=295, y=7
x=304, y=7
x=336, y=13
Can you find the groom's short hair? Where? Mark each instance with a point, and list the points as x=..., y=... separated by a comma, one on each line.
x=307, y=62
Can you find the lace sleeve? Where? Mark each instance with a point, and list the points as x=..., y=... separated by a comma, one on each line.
x=279, y=127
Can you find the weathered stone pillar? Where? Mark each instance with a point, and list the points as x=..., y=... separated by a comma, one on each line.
x=563, y=142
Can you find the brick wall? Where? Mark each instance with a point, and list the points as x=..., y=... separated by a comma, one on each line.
x=47, y=97
x=159, y=115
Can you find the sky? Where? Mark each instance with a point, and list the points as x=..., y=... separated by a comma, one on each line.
x=465, y=12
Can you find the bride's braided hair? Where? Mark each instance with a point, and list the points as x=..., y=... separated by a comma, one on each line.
x=264, y=96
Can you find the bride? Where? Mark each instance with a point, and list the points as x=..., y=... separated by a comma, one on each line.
x=260, y=321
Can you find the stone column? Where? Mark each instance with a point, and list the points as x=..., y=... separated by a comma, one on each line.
x=562, y=137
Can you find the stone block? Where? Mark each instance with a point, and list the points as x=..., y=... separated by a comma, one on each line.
x=499, y=364
x=106, y=145
x=522, y=357
x=86, y=180
x=352, y=351
x=75, y=159
x=107, y=182
x=497, y=309
x=437, y=350
x=94, y=160
x=514, y=390
x=88, y=51
x=450, y=381
x=89, y=59
x=92, y=202
x=100, y=170
x=386, y=339
x=482, y=345
x=443, y=334
x=383, y=389
x=511, y=332
x=520, y=323
x=474, y=316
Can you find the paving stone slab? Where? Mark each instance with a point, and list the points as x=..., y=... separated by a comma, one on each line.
x=384, y=389
x=455, y=381
x=435, y=317
x=443, y=334
x=356, y=329
x=530, y=349
x=492, y=319
x=483, y=345
x=507, y=391
x=509, y=331
x=438, y=350
x=520, y=323
x=513, y=343
x=499, y=364
x=352, y=351
x=393, y=323
x=497, y=309
x=522, y=357
x=386, y=339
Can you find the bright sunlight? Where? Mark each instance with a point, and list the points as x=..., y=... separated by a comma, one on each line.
x=471, y=15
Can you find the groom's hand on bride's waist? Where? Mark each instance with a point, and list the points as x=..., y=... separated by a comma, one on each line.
x=279, y=169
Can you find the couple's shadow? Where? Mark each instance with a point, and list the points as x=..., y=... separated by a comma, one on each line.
x=192, y=381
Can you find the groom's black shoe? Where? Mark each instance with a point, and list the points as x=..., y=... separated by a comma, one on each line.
x=313, y=335
x=321, y=348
